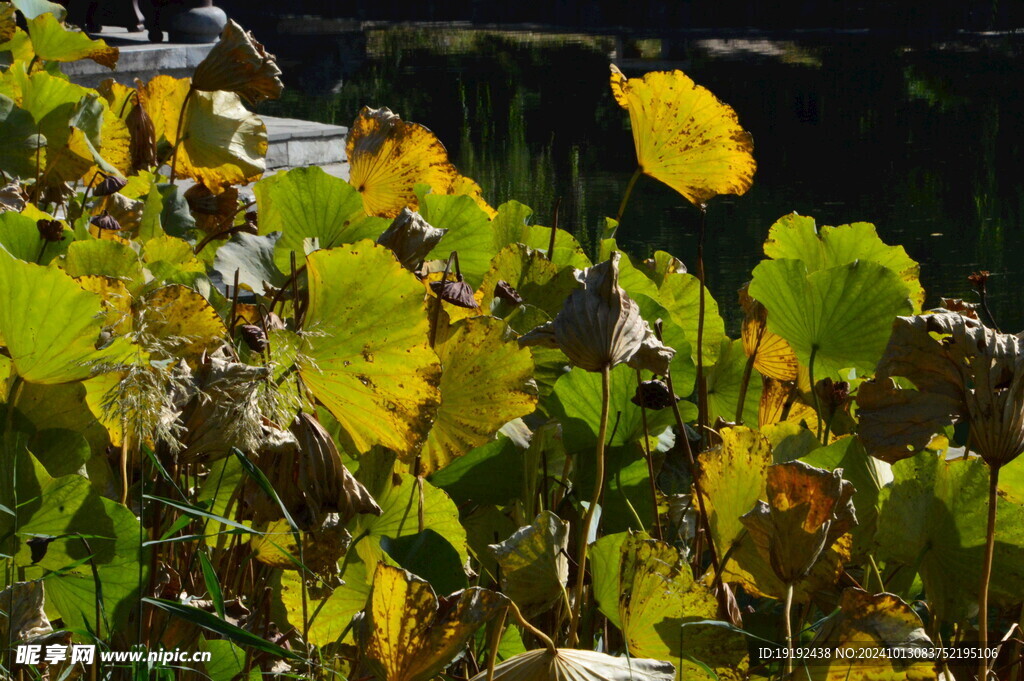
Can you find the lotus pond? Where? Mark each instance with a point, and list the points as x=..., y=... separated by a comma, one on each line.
x=404, y=427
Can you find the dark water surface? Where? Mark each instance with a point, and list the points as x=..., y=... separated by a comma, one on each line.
x=924, y=140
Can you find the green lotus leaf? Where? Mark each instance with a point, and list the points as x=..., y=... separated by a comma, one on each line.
x=654, y=594
x=104, y=257
x=21, y=145
x=20, y=237
x=532, y=563
x=489, y=474
x=680, y=295
x=724, y=381
x=626, y=501
x=368, y=358
x=52, y=41
x=61, y=406
x=538, y=281
x=605, y=557
x=797, y=238
x=486, y=381
x=934, y=516
x=61, y=508
x=307, y=203
x=333, y=609
x=512, y=225
x=577, y=395
x=469, y=232
x=252, y=257
x=170, y=260
x=50, y=326
x=429, y=556
x=843, y=314
x=399, y=501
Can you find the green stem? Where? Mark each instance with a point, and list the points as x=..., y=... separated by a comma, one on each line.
x=986, y=570
x=814, y=393
x=11, y=458
x=581, y=563
x=650, y=465
x=629, y=192
x=789, y=628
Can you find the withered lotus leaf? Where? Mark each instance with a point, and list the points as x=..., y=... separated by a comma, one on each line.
x=455, y=291
x=963, y=371
x=534, y=564
x=411, y=635
x=600, y=326
x=238, y=63
x=388, y=157
x=410, y=238
x=808, y=510
x=684, y=136
x=27, y=618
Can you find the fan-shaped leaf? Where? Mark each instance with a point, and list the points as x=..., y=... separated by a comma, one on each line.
x=52, y=41
x=580, y=665
x=369, y=362
x=533, y=562
x=684, y=136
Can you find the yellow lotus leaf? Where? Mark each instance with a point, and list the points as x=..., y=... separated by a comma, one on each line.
x=20, y=47
x=779, y=404
x=868, y=623
x=467, y=186
x=388, y=157
x=773, y=357
x=52, y=41
x=368, y=358
x=486, y=381
x=8, y=24
x=570, y=664
x=409, y=636
x=117, y=301
x=684, y=136
x=182, y=319
x=222, y=143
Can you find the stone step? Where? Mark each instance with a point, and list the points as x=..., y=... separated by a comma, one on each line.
x=296, y=143
x=139, y=58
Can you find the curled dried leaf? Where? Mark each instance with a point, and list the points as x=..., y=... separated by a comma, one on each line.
x=142, y=137
x=110, y=184
x=240, y=64
x=455, y=292
x=411, y=238
x=24, y=612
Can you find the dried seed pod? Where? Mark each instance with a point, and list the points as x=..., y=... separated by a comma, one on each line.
x=504, y=291
x=455, y=292
x=106, y=221
x=599, y=326
x=411, y=238
x=110, y=184
x=50, y=230
x=979, y=280
x=240, y=64
x=254, y=337
x=142, y=142
x=654, y=394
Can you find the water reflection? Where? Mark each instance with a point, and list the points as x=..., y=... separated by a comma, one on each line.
x=923, y=140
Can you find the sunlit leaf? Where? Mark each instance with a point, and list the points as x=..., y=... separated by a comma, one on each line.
x=796, y=237
x=680, y=295
x=843, y=314
x=513, y=224
x=655, y=594
x=533, y=564
x=388, y=157
x=53, y=41
x=869, y=623
x=338, y=605
x=684, y=136
x=183, y=320
x=724, y=381
x=410, y=638
x=49, y=324
x=486, y=381
x=370, y=364
x=539, y=281
x=469, y=232
x=307, y=203
x=580, y=665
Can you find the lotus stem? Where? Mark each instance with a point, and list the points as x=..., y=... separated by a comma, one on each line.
x=544, y=638
x=692, y=462
x=629, y=192
x=986, y=570
x=788, y=624
x=554, y=230
x=581, y=563
x=702, y=387
x=180, y=129
x=814, y=393
x=650, y=465
x=492, y=652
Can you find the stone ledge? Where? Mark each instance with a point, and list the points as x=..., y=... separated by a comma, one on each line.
x=303, y=143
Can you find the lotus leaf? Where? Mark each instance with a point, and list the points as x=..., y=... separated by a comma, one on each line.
x=684, y=136
x=388, y=157
x=486, y=381
x=580, y=665
x=533, y=562
x=843, y=314
x=369, y=362
x=53, y=41
x=410, y=637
